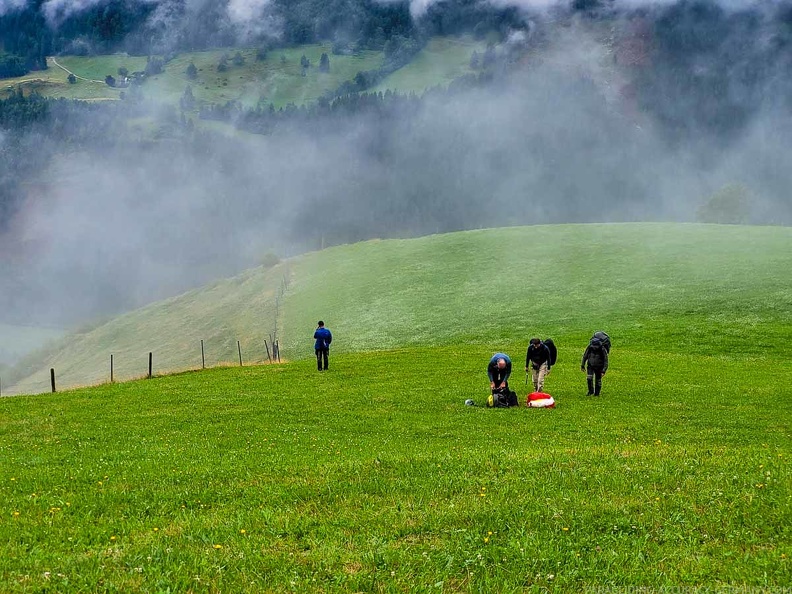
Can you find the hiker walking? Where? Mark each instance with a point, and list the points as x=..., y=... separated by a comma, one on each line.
x=538, y=361
x=323, y=338
x=595, y=364
x=499, y=370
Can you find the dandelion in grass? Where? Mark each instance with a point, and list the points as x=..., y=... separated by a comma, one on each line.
x=112, y=538
x=156, y=529
x=16, y=514
x=565, y=529
x=218, y=546
x=243, y=531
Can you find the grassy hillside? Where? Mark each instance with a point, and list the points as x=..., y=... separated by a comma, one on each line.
x=712, y=290
x=374, y=476
x=239, y=309
x=53, y=81
x=441, y=61
x=277, y=79
x=668, y=288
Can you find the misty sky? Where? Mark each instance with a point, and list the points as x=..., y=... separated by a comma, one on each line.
x=557, y=143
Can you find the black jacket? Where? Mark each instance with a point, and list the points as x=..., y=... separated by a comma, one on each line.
x=537, y=355
x=596, y=356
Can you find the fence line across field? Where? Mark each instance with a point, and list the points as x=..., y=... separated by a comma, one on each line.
x=123, y=368
x=150, y=372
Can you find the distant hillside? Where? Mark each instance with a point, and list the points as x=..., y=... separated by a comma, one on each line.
x=16, y=341
x=276, y=77
x=493, y=288
x=241, y=309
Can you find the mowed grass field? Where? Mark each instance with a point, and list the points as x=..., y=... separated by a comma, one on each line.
x=374, y=476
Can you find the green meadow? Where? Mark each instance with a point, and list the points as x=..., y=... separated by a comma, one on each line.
x=277, y=79
x=53, y=82
x=441, y=61
x=374, y=476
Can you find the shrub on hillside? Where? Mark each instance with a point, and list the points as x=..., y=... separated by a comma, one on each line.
x=729, y=205
x=269, y=260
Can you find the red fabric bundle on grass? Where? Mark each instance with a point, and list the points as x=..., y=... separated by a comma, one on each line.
x=539, y=400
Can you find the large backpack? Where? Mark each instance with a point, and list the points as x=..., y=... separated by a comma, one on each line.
x=553, y=351
x=596, y=353
x=604, y=339
x=502, y=398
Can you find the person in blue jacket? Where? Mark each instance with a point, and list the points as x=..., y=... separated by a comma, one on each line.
x=323, y=338
x=499, y=370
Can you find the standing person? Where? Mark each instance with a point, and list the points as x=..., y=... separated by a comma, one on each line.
x=499, y=370
x=538, y=361
x=595, y=364
x=323, y=338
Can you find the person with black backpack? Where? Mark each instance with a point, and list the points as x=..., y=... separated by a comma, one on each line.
x=595, y=363
x=539, y=360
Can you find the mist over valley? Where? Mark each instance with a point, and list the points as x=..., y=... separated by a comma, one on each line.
x=569, y=112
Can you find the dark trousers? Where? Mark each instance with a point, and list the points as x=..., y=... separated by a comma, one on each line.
x=321, y=355
x=594, y=379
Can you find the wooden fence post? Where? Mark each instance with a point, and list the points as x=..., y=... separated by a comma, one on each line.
x=268, y=353
x=203, y=357
x=151, y=356
x=52, y=378
x=111, y=369
x=239, y=349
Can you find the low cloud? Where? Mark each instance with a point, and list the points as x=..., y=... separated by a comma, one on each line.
x=11, y=5
x=419, y=7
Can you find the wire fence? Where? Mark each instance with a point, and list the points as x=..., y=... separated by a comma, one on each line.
x=188, y=353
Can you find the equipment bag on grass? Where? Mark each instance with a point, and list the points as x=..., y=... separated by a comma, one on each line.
x=539, y=400
x=502, y=399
